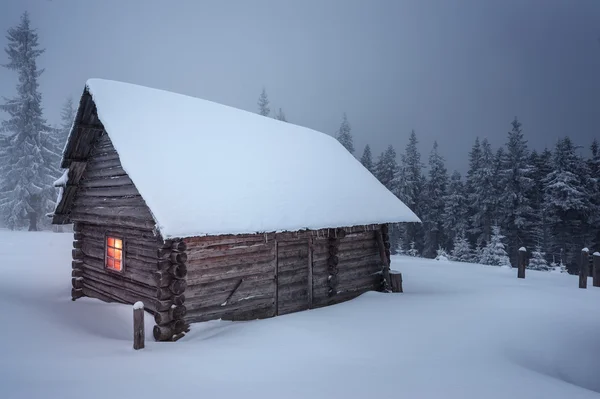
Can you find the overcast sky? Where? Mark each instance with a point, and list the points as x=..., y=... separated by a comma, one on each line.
x=451, y=70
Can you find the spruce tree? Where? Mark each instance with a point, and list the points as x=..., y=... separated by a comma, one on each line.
x=567, y=203
x=29, y=161
x=344, y=135
x=594, y=170
x=433, y=203
x=481, y=197
x=67, y=116
x=386, y=169
x=263, y=103
x=494, y=253
x=367, y=159
x=538, y=261
x=455, y=210
x=411, y=184
x=461, y=252
x=516, y=182
x=541, y=167
x=280, y=116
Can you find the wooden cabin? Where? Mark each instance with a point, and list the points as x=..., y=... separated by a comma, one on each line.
x=202, y=211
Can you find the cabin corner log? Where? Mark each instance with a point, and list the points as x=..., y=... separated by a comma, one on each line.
x=173, y=314
x=76, y=294
x=584, y=268
x=167, y=332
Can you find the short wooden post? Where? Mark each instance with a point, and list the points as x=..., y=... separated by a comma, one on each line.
x=596, y=269
x=138, y=325
x=522, y=262
x=584, y=268
x=396, y=281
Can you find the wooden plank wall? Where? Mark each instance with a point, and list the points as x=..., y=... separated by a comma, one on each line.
x=241, y=278
x=230, y=277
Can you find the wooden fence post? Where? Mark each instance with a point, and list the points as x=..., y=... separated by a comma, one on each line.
x=396, y=281
x=522, y=262
x=138, y=325
x=584, y=268
x=596, y=269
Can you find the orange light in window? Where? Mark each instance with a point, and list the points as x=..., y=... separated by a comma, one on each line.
x=114, y=253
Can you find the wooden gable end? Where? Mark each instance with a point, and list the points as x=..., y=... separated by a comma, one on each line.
x=97, y=189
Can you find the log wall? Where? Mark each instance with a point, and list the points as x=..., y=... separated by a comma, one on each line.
x=255, y=276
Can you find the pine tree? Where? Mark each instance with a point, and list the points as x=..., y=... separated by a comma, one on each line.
x=367, y=159
x=494, y=253
x=263, y=103
x=461, y=252
x=67, y=116
x=567, y=203
x=413, y=251
x=537, y=261
x=433, y=203
x=280, y=116
x=410, y=186
x=594, y=170
x=441, y=254
x=30, y=158
x=516, y=182
x=344, y=135
x=542, y=166
x=455, y=210
x=386, y=168
x=481, y=197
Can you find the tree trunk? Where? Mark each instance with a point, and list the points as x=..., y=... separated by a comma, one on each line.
x=32, y=221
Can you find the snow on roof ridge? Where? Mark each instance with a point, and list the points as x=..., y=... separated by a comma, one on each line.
x=229, y=171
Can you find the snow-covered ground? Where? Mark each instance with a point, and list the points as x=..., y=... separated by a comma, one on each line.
x=459, y=331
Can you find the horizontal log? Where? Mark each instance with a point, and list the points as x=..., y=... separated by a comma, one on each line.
x=77, y=253
x=134, y=212
x=118, y=281
x=179, y=299
x=333, y=261
x=134, y=276
x=76, y=294
x=178, y=287
x=77, y=244
x=162, y=278
x=178, y=271
x=110, y=220
x=142, y=237
x=76, y=170
x=208, y=242
x=197, y=314
x=101, y=165
x=358, y=254
x=208, y=275
x=112, y=181
x=106, y=172
x=178, y=257
x=108, y=293
x=174, y=313
x=109, y=156
x=163, y=333
x=292, y=277
x=108, y=191
x=220, y=294
x=224, y=262
x=109, y=202
x=195, y=254
x=163, y=293
x=76, y=264
x=76, y=273
x=176, y=245
x=77, y=282
x=78, y=236
x=357, y=245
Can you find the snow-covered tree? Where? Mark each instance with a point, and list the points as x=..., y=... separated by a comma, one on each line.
x=263, y=103
x=542, y=166
x=567, y=203
x=494, y=253
x=594, y=170
x=67, y=116
x=433, y=203
x=280, y=116
x=455, y=209
x=481, y=194
x=29, y=160
x=516, y=182
x=344, y=135
x=441, y=254
x=538, y=261
x=410, y=185
x=413, y=251
x=461, y=252
x=386, y=168
x=367, y=159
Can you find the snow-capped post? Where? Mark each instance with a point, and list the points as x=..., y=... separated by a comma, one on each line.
x=596, y=269
x=138, y=326
x=583, y=268
x=522, y=262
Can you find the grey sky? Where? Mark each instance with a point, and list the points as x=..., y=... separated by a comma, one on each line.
x=450, y=69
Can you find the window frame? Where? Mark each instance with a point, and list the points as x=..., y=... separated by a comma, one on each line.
x=106, y=256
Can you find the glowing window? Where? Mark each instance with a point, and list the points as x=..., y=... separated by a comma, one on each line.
x=114, y=254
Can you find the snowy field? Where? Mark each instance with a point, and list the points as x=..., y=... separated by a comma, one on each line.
x=459, y=331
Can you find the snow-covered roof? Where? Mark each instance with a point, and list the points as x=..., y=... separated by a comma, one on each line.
x=205, y=169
